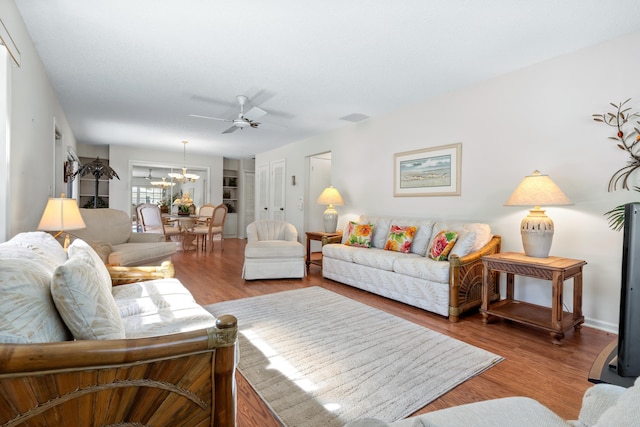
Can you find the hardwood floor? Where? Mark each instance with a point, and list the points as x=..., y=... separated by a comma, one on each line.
x=554, y=375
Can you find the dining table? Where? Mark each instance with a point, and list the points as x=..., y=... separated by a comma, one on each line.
x=185, y=223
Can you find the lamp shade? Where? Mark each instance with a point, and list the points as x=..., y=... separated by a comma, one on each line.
x=535, y=190
x=537, y=228
x=61, y=214
x=330, y=196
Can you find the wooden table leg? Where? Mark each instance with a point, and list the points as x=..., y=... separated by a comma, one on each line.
x=510, y=282
x=308, y=260
x=486, y=276
x=557, y=284
x=577, y=300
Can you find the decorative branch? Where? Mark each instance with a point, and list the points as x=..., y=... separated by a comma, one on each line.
x=626, y=140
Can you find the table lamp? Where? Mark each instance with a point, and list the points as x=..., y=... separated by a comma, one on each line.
x=330, y=196
x=537, y=228
x=61, y=214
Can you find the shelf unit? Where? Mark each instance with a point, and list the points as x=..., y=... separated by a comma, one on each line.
x=86, y=187
x=230, y=193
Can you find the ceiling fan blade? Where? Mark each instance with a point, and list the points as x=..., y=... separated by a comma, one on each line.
x=209, y=118
x=231, y=129
x=254, y=113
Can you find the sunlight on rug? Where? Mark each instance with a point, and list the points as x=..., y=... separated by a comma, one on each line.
x=320, y=359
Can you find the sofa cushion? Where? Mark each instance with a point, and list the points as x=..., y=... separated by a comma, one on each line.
x=141, y=253
x=423, y=268
x=483, y=231
x=626, y=411
x=84, y=301
x=382, y=225
x=359, y=235
x=441, y=244
x=400, y=238
x=379, y=258
x=27, y=311
x=159, y=307
x=339, y=251
x=105, y=225
x=274, y=249
x=464, y=243
x=43, y=245
x=80, y=246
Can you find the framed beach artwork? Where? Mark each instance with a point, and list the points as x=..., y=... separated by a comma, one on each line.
x=428, y=172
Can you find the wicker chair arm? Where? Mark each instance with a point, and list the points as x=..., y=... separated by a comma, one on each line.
x=122, y=275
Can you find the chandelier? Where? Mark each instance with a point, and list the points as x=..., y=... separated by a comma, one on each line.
x=184, y=177
x=163, y=183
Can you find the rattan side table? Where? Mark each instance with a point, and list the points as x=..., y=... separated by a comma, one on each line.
x=555, y=269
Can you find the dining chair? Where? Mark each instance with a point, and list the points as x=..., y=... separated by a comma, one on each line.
x=211, y=228
x=152, y=221
x=205, y=213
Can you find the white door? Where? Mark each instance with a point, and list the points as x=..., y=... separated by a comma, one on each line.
x=248, y=201
x=262, y=192
x=277, y=185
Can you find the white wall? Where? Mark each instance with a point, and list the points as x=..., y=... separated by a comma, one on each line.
x=535, y=118
x=34, y=110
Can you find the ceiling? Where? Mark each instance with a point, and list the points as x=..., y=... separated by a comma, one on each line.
x=131, y=72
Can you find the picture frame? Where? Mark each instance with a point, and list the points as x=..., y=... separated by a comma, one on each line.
x=428, y=172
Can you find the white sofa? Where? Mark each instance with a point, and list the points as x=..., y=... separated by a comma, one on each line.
x=109, y=233
x=603, y=405
x=448, y=288
x=273, y=251
x=138, y=353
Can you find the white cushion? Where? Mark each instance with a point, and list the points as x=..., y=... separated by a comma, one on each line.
x=141, y=253
x=42, y=245
x=626, y=411
x=27, y=311
x=159, y=307
x=340, y=251
x=274, y=249
x=80, y=246
x=84, y=301
x=423, y=268
x=379, y=258
x=483, y=231
x=464, y=243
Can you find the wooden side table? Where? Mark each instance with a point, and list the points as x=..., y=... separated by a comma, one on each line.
x=317, y=235
x=555, y=269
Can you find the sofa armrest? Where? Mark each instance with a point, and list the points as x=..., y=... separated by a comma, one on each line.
x=123, y=275
x=465, y=279
x=596, y=400
x=146, y=238
x=188, y=376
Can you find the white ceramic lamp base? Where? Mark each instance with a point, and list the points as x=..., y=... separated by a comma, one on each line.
x=537, y=233
x=330, y=218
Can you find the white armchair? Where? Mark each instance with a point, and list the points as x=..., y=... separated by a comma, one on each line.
x=273, y=251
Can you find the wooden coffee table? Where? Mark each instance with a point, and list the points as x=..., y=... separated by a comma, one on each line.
x=554, y=269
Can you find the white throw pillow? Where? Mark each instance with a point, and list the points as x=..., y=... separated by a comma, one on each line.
x=84, y=302
x=80, y=246
x=27, y=311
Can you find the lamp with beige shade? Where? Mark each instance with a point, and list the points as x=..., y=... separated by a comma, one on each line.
x=61, y=214
x=330, y=196
x=537, y=228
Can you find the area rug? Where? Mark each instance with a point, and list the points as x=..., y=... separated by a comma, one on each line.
x=320, y=359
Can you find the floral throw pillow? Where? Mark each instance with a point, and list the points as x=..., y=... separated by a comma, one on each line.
x=441, y=245
x=400, y=238
x=359, y=235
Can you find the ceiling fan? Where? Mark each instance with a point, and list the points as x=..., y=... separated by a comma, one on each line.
x=244, y=120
